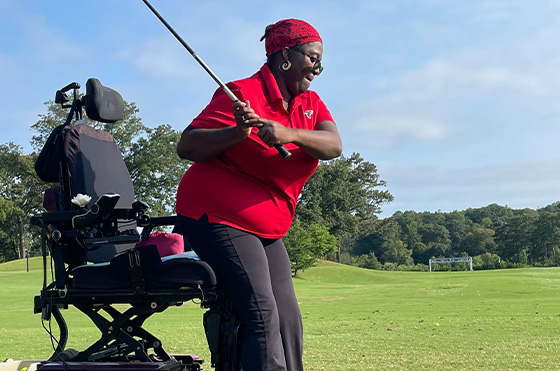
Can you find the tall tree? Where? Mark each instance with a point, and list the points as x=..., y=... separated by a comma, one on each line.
x=344, y=195
x=10, y=215
x=491, y=216
x=434, y=234
x=409, y=222
x=156, y=169
x=22, y=194
x=546, y=237
x=384, y=242
x=458, y=226
x=514, y=238
x=479, y=241
x=305, y=246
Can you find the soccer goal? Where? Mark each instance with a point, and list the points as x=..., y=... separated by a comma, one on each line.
x=457, y=259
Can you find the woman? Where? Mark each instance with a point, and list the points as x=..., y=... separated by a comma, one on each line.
x=238, y=199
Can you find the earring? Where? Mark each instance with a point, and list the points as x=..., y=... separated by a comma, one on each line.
x=286, y=65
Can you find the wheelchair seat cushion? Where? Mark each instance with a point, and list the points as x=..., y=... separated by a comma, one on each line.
x=173, y=272
x=167, y=243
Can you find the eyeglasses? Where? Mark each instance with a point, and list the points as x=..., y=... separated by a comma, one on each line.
x=316, y=61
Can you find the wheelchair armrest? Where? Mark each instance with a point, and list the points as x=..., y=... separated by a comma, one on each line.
x=98, y=212
x=53, y=217
x=156, y=222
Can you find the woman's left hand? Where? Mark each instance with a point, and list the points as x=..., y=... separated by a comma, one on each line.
x=322, y=143
x=271, y=132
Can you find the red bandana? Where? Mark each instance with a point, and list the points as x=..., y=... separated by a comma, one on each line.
x=289, y=32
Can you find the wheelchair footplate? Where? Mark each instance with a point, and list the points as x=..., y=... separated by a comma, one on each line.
x=179, y=362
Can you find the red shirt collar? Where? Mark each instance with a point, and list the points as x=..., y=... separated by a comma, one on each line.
x=271, y=84
x=273, y=89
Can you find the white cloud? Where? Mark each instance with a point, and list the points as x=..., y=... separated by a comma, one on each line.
x=393, y=128
x=463, y=75
x=46, y=44
x=518, y=185
x=515, y=79
x=161, y=58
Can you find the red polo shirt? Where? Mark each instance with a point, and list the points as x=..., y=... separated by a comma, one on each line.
x=250, y=186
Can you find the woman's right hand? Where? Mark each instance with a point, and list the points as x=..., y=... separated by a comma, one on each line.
x=243, y=114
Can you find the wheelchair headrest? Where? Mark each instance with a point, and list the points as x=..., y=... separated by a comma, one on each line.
x=102, y=103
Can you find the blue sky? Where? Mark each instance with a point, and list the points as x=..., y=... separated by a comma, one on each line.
x=456, y=102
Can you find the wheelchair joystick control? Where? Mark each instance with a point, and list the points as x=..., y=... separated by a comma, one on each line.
x=98, y=212
x=143, y=220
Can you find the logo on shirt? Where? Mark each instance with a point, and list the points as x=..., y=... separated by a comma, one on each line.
x=308, y=113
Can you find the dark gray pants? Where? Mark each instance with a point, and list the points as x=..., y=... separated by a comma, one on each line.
x=256, y=275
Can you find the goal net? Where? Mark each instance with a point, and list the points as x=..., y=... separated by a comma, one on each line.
x=457, y=259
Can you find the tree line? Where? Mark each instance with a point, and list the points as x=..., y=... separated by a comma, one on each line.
x=345, y=195
x=336, y=217
x=495, y=236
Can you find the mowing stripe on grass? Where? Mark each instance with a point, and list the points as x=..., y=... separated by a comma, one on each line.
x=356, y=319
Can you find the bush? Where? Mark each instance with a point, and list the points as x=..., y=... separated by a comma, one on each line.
x=487, y=261
x=415, y=268
x=390, y=266
x=368, y=261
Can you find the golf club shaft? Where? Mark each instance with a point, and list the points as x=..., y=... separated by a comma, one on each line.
x=280, y=148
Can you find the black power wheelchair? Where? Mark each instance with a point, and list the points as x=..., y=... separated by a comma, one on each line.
x=95, y=263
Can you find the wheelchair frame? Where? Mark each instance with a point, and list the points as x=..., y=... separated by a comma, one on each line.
x=124, y=343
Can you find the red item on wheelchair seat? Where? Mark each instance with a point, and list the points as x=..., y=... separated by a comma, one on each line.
x=167, y=243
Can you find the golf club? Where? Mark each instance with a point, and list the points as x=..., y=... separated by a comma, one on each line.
x=280, y=148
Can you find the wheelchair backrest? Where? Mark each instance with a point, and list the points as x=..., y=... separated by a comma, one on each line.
x=95, y=165
x=88, y=162
x=83, y=159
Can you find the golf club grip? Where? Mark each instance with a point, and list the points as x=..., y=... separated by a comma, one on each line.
x=279, y=147
x=283, y=151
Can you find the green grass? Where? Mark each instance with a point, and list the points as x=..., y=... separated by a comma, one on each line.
x=356, y=319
